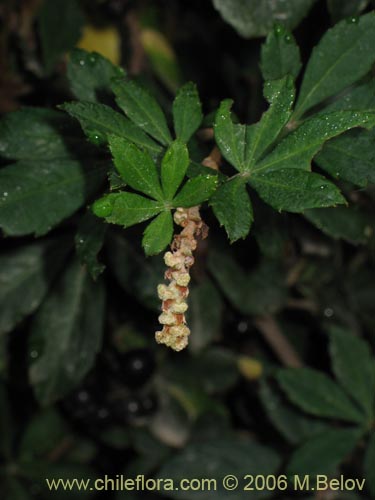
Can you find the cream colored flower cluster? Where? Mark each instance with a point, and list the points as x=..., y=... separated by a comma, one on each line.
x=179, y=260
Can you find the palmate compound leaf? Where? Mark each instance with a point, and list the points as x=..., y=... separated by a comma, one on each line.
x=136, y=167
x=99, y=121
x=158, y=234
x=280, y=55
x=90, y=75
x=187, y=111
x=142, y=109
x=317, y=394
x=173, y=168
x=346, y=45
x=232, y=206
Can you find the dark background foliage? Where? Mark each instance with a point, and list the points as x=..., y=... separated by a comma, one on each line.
x=279, y=374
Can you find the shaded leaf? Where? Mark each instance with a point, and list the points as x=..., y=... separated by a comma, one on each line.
x=295, y=190
x=280, y=55
x=317, y=394
x=213, y=458
x=28, y=272
x=262, y=291
x=136, y=167
x=66, y=334
x=126, y=209
x=50, y=136
x=196, y=191
x=60, y=24
x=37, y=195
x=158, y=234
x=252, y=18
x=89, y=240
x=232, y=206
x=173, y=168
x=142, y=108
x=100, y=121
x=350, y=157
x=90, y=75
x=342, y=222
x=353, y=366
x=187, y=112
x=294, y=426
x=323, y=453
x=346, y=45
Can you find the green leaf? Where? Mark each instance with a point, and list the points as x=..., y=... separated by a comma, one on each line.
x=317, y=394
x=323, y=453
x=99, y=121
x=230, y=137
x=298, y=148
x=173, y=168
x=187, y=112
x=262, y=291
x=350, y=157
x=36, y=195
x=213, y=458
x=204, y=315
x=28, y=272
x=296, y=190
x=90, y=75
x=353, y=366
x=252, y=18
x=89, y=240
x=232, y=206
x=293, y=426
x=280, y=94
x=280, y=55
x=66, y=334
x=348, y=223
x=50, y=136
x=136, y=167
x=346, y=45
x=196, y=191
x=142, y=108
x=60, y=24
x=126, y=209
x=158, y=234
x=369, y=465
